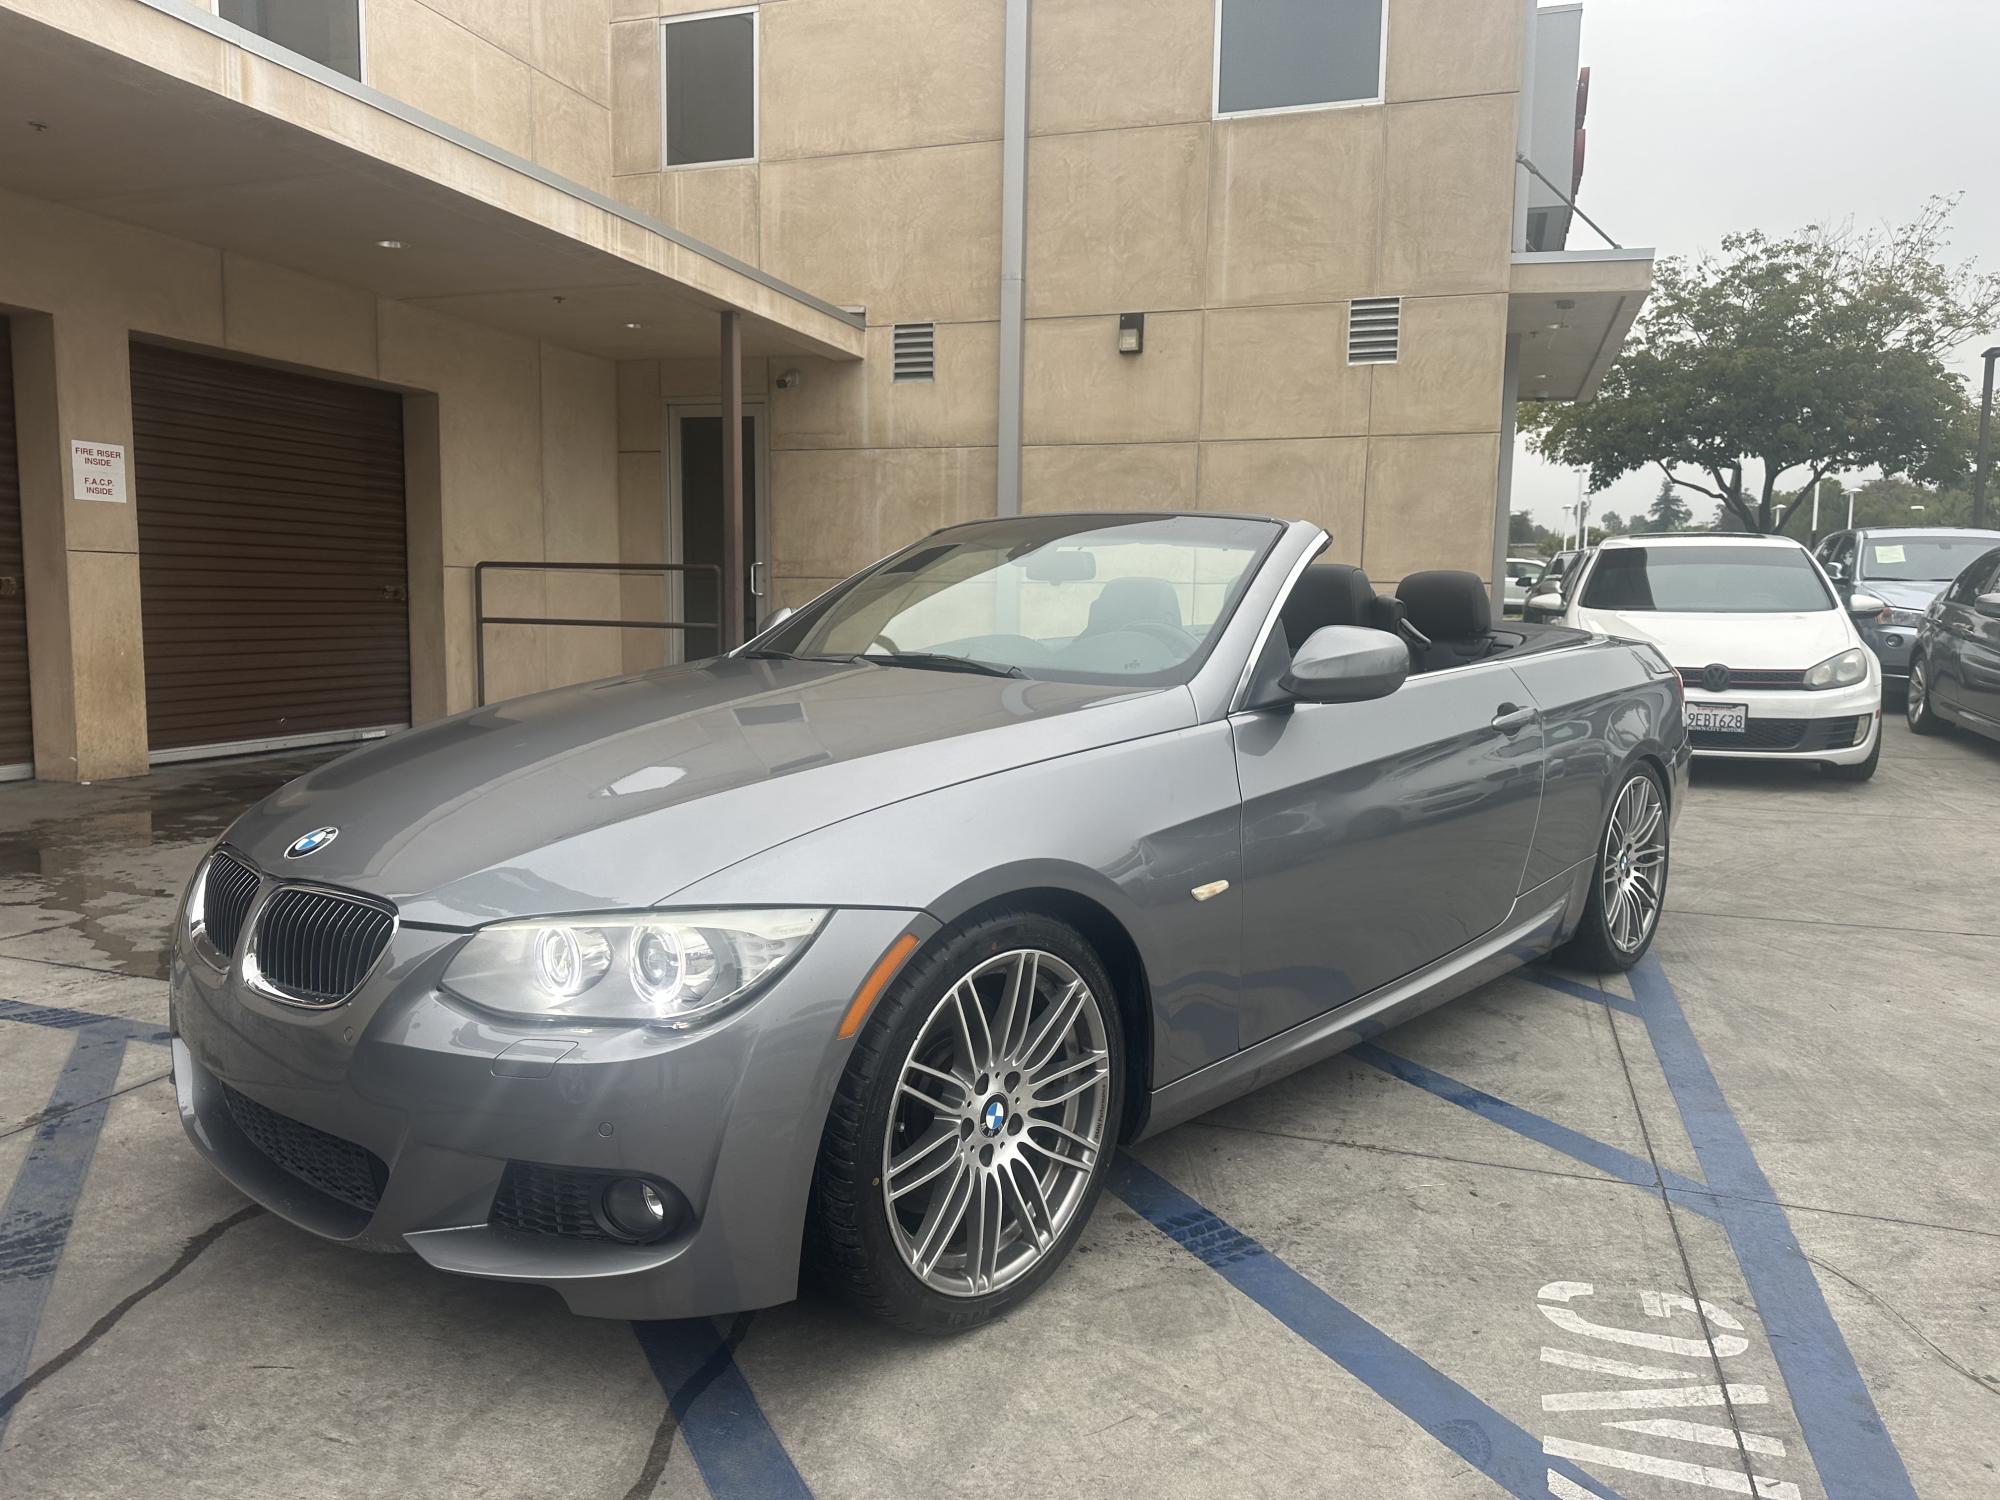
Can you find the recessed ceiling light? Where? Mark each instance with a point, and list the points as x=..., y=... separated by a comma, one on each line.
x=392, y=244
x=634, y=325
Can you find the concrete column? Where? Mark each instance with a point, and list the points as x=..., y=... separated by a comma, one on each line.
x=86, y=652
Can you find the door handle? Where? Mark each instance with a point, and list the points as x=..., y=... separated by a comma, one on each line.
x=756, y=588
x=1510, y=717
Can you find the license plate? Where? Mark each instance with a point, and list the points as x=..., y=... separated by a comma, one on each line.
x=1717, y=718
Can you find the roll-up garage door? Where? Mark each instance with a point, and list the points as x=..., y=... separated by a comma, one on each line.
x=273, y=581
x=17, y=740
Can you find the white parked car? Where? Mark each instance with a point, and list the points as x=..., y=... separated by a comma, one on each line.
x=1520, y=574
x=1771, y=664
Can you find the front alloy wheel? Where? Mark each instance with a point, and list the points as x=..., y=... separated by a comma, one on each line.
x=971, y=1132
x=1000, y=1116
x=1917, y=710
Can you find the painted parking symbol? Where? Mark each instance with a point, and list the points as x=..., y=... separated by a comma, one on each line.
x=1607, y=1413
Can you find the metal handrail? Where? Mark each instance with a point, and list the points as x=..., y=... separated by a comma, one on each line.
x=483, y=619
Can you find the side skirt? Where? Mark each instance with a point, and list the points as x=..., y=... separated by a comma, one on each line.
x=1539, y=921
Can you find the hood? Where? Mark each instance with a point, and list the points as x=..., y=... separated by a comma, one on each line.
x=1904, y=593
x=1760, y=642
x=619, y=793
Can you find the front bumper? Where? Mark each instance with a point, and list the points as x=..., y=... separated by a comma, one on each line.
x=729, y=1116
x=1838, y=726
x=1893, y=646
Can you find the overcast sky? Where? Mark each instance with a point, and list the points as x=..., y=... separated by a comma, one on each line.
x=1708, y=116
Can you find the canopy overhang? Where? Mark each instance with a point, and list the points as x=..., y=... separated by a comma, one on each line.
x=160, y=115
x=1571, y=310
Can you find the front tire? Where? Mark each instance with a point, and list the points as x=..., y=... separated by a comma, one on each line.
x=1861, y=770
x=1628, y=887
x=972, y=1131
x=1917, y=710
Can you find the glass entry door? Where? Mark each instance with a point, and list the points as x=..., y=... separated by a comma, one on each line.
x=694, y=520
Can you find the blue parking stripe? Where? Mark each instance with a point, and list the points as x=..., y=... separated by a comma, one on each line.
x=1852, y=1449
x=35, y=1222
x=1500, y=1449
x=1572, y=1143
x=731, y=1441
x=1581, y=991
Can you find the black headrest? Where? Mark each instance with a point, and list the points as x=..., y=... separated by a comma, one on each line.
x=1447, y=604
x=1127, y=601
x=1327, y=594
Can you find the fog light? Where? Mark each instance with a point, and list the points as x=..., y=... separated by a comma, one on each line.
x=635, y=1209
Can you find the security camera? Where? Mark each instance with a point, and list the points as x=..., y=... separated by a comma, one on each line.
x=789, y=380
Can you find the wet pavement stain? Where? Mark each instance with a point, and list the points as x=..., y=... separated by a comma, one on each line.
x=90, y=874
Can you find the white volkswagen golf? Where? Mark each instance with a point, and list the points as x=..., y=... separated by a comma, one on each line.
x=1771, y=664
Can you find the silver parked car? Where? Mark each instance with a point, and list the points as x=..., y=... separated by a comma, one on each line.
x=866, y=945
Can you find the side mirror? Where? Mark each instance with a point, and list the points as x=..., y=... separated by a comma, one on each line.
x=1347, y=664
x=1985, y=604
x=1549, y=603
x=775, y=618
x=1859, y=603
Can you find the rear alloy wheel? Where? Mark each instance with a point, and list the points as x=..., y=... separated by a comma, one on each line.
x=1628, y=889
x=971, y=1135
x=1917, y=710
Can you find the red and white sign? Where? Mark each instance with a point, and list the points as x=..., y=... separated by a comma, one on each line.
x=97, y=471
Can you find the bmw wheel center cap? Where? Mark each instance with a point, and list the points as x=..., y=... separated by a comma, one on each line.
x=993, y=1118
x=311, y=843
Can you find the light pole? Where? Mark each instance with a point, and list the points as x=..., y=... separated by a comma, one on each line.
x=1985, y=440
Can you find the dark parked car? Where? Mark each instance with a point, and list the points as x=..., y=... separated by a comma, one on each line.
x=1557, y=575
x=1906, y=567
x=876, y=937
x=1955, y=672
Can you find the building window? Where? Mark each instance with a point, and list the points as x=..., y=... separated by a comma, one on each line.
x=708, y=71
x=327, y=31
x=1273, y=55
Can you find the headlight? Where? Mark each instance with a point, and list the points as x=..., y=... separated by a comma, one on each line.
x=1844, y=670
x=673, y=968
x=1893, y=616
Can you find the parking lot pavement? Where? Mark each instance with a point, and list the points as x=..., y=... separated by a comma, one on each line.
x=1730, y=1224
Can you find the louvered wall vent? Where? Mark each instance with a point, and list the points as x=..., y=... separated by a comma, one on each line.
x=916, y=351
x=1374, y=330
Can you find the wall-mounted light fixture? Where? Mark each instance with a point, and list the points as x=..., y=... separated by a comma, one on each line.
x=1131, y=333
x=788, y=381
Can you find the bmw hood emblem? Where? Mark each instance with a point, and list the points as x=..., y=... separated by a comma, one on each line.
x=311, y=843
x=993, y=1117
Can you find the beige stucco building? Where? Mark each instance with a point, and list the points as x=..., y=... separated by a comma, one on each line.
x=359, y=294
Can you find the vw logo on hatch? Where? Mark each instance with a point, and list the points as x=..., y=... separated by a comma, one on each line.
x=311, y=843
x=1715, y=677
x=994, y=1116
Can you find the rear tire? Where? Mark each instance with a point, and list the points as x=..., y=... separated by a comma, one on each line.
x=1628, y=885
x=964, y=1152
x=1862, y=770
x=1917, y=710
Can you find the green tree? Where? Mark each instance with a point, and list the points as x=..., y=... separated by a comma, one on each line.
x=1794, y=358
x=1615, y=524
x=1521, y=529
x=1668, y=512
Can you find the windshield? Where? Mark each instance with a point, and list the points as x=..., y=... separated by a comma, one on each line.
x=1919, y=558
x=1746, y=580
x=1070, y=598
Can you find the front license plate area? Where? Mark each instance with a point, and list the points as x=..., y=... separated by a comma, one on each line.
x=1717, y=718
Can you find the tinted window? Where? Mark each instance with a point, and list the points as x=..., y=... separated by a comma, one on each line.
x=327, y=31
x=1750, y=580
x=1984, y=574
x=709, y=70
x=1284, y=54
x=1918, y=557
x=1076, y=599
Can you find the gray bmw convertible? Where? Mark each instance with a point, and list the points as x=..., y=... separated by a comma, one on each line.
x=859, y=950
